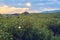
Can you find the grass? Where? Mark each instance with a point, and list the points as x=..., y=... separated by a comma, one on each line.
x=32, y=27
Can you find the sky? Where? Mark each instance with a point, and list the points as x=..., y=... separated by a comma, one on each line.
x=13, y=6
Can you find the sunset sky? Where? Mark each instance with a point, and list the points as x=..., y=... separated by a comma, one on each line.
x=8, y=6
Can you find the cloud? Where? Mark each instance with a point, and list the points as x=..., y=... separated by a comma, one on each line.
x=42, y=10
x=20, y=10
x=49, y=9
x=28, y=4
x=6, y=9
x=10, y=10
x=34, y=11
x=25, y=4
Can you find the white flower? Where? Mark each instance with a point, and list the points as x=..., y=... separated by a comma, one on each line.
x=19, y=27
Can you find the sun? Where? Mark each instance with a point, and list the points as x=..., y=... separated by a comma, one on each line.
x=28, y=4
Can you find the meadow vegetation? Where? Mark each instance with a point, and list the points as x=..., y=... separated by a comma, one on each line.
x=30, y=27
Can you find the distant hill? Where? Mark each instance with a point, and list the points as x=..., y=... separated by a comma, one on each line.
x=54, y=11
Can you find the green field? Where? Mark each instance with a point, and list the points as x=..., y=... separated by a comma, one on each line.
x=30, y=27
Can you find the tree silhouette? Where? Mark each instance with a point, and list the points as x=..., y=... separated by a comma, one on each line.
x=25, y=13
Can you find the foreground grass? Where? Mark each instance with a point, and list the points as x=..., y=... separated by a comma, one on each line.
x=30, y=27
